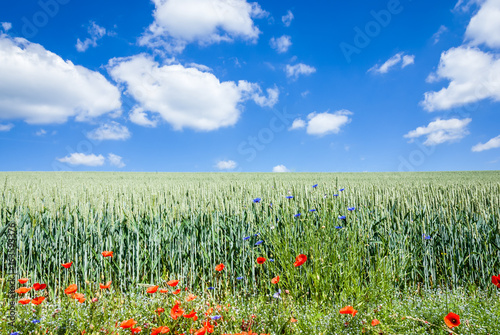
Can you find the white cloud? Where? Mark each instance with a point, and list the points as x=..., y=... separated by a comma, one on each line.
x=179, y=22
x=185, y=97
x=41, y=132
x=200, y=67
x=116, y=160
x=139, y=116
x=226, y=165
x=305, y=93
x=296, y=70
x=297, y=124
x=442, y=29
x=110, y=131
x=287, y=19
x=254, y=92
x=474, y=75
x=280, y=168
x=77, y=158
x=281, y=44
x=484, y=27
x=407, y=60
x=398, y=58
x=441, y=131
x=327, y=123
x=96, y=32
x=39, y=87
x=6, y=26
x=491, y=144
x=6, y=127
x=465, y=5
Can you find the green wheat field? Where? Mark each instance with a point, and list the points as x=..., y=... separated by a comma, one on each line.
x=411, y=248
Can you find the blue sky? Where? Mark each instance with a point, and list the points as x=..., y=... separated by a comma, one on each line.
x=216, y=85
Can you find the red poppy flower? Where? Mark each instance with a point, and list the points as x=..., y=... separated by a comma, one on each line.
x=219, y=267
x=190, y=314
x=81, y=300
x=209, y=311
x=299, y=260
x=177, y=291
x=107, y=253
x=173, y=283
x=23, y=290
x=159, y=310
x=160, y=330
x=38, y=286
x=23, y=280
x=275, y=280
x=24, y=301
x=348, y=310
x=152, y=289
x=191, y=297
x=128, y=323
x=375, y=322
x=104, y=287
x=452, y=320
x=135, y=330
x=67, y=265
x=176, y=311
x=37, y=300
x=495, y=280
x=293, y=320
x=71, y=289
x=77, y=296
x=163, y=291
x=261, y=260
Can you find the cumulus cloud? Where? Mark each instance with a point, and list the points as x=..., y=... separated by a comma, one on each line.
x=484, y=27
x=294, y=71
x=139, y=116
x=226, y=165
x=287, y=19
x=179, y=22
x=473, y=74
x=280, y=168
x=297, y=124
x=96, y=32
x=68, y=90
x=399, y=58
x=441, y=131
x=110, y=131
x=491, y=144
x=77, y=158
x=6, y=26
x=116, y=160
x=281, y=44
x=185, y=97
x=6, y=127
x=327, y=123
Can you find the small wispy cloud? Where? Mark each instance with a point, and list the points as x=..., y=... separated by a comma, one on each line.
x=280, y=168
x=287, y=19
x=77, y=158
x=6, y=127
x=226, y=165
x=96, y=32
x=491, y=144
x=399, y=58
x=116, y=160
x=294, y=71
x=281, y=44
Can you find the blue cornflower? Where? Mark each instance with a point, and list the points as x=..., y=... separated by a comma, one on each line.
x=239, y=278
x=259, y=242
x=342, y=189
x=277, y=294
x=341, y=217
x=426, y=237
x=315, y=185
x=335, y=195
x=257, y=200
x=289, y=196
x=312, y=210
x=297, y=215
x=350, y=209
x=15, y=333
x=338, y=227
x=246, y=238
x=271, y=204
x=271, y=260
x=211, y=288
x=216, y=317
x=257, y=234
x=35, y=321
